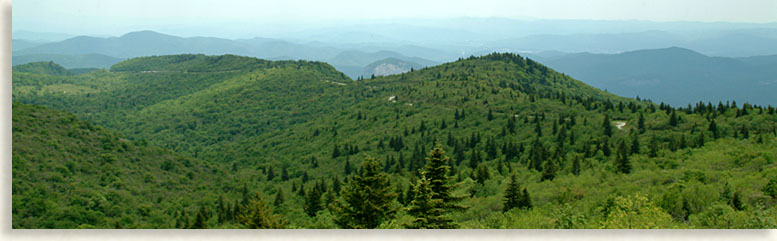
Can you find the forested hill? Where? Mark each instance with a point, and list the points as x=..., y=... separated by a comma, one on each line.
x=582, y=154
x=49, y=68
x=69, y=173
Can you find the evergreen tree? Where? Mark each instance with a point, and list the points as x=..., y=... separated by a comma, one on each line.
x=549, y=170
x=270, y=174
x=336, y=184
x=490, y=115
x=491, y=148
x=349, y=168
x=622, y=159
x=368, y=199
x=635, y=144
x=607, y=126
x=538, y=129
x=511, y=124
x=537, y=155
x=426, y=210
x=736, y=202
x=336, y=151
x=526, y=200
x=436, y=171
x=475, y=158
x=641, y=123
x=770, y=189
x=279, y=199
x=284, y=174
x=313, y=202
x=201, y=222
x=514, y=198
x=257, y=215
x=714, y=129
x=482, y=174
x=673, y=119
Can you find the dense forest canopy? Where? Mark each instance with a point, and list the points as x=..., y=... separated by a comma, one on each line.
x=497, y=141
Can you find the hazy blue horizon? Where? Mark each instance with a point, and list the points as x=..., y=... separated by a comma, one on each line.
x=242, y=19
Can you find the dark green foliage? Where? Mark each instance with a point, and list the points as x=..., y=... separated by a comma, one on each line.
x=622, y=159
x=61, y=178
x=770, y=188
x=736, y=202
x=201, y=221
x=312, y=201
x=514, y=197
x=673, y=119
x=714, y=129
x=548, y=170
x=482, y=174
x=607, y=126
x=279, y=198
x=46, y=68
x=367, y=199
x=635, y=144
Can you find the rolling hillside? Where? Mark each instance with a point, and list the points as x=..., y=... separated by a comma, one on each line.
x=69, y=173
x=299, y=130
x=69, y=61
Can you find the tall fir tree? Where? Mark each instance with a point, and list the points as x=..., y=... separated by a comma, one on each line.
x=279, y=198
x=673, y=119
x=256, y=215
x=426, y=210
x=622, y=159
x=436, y=171
x=368, y=199
x=514, y=198
x=313, y=201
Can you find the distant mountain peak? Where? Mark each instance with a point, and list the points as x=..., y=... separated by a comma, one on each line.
x=145, y=34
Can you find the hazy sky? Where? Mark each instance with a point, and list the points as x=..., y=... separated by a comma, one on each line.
x=112, y=17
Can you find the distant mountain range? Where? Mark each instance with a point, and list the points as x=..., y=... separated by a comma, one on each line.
x=355, y=63
x=729, y=43
x=678, y=76
x=85, y=51
x=674, y=75
x=390, y=66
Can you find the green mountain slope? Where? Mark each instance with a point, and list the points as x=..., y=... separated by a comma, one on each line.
x=48, y=68
x=579, y=151
x=69, y=173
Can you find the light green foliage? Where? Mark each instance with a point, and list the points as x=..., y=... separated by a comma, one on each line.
x=256, y=214
x=636, y=212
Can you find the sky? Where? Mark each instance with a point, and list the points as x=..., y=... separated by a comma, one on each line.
x=112, y=17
